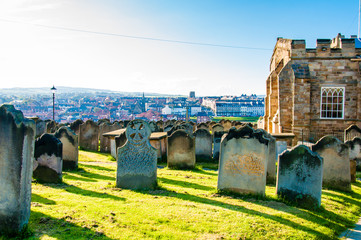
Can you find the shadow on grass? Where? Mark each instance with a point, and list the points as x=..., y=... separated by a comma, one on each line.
x=62, y=229
x=185, y=184
x=40, y=199
x=83, y=173
x=84, y=192
x=198, y=170
x=197, y=199
x=98, y=167
x=76, y=178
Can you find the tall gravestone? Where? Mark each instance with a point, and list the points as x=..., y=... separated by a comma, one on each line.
x=48, y=164
x=217, y=133
x=354, y=156
x=272, y=157
x=16, y=167
x=299, y=177
x=70, y=147
x=104, y=142
x=40, y=128
x=243, y=161
x=203, y=145
x=76, y=125
x=336, y=163
x=89, y=136
x=137, y=159
x=181, y=150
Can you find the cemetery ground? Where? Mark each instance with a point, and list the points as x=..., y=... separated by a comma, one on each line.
x=186, y=205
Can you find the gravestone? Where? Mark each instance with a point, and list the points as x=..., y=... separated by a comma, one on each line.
x=48, y=162
x=16, y=167
x=168, y=127
x=351, y=132
x=299, y=177
x=227, y=124
x=203, y=126
x=243, y=161
x=188, y=128
x=217, y=132
x=336, y=163
x=237, y=124
x=137, y=159
x=354, y=156
x=51, y=126
x=104, y=142
x=120, y=141
x=103, y=120
x=40, y=128
x=281, y=147
x=74, y=126
x=160, y=124
x=154, y=127
x=70, y=147
x=203, y=145
x=89, y=136
x=181, y=150
x=272, y=157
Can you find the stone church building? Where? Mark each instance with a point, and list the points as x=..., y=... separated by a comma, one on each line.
x=314, y=92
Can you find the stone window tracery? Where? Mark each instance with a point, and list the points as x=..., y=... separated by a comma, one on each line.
x=332, y=102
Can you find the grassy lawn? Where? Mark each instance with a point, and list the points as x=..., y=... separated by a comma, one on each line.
x=185, y=206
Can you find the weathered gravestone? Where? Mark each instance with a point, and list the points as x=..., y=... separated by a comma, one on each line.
x=89, y=136
x=336, y=163
x=217, y=132
x=181, y=150
x=203, y=126
x=281, y=147
x=168, y=127
x=16, y=167
x=227, y=124
x=40, y=128
x=154, y=127
x=243, y=161
x=188, y=128
x=51, y=126
x=104, y=142
x=48, y=164
x=70, y=147
x=351, y=132
x=76, y=125
x=203, y=145
x=103, y=120
x=160, y=124
x=272, y=157
x=299, y=177
x=355, y=156
x=137, y=159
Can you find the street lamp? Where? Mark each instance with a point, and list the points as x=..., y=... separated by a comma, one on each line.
x=53, y=90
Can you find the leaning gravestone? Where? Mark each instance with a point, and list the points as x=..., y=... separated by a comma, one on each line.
x=336, y=163
x=243, y=161
x=203, y=145
x=70, y=147
x=299, y=177
x=181, y=150
x=89, y=136
x=48, y=164
x=217, y=132
x=137, y=159
x=16, y=168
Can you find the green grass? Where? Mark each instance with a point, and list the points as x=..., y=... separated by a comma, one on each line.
x=241, y=119
x=87, y=205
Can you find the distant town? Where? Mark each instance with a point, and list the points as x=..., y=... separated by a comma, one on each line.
x=71, y=104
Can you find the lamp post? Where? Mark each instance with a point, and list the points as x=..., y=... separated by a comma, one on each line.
x=53, y=90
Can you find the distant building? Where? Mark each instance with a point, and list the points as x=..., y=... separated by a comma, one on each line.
x=192, y=94
x=314, y=92
x=202, y=117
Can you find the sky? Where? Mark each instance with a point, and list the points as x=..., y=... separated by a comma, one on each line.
x=139, y=45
